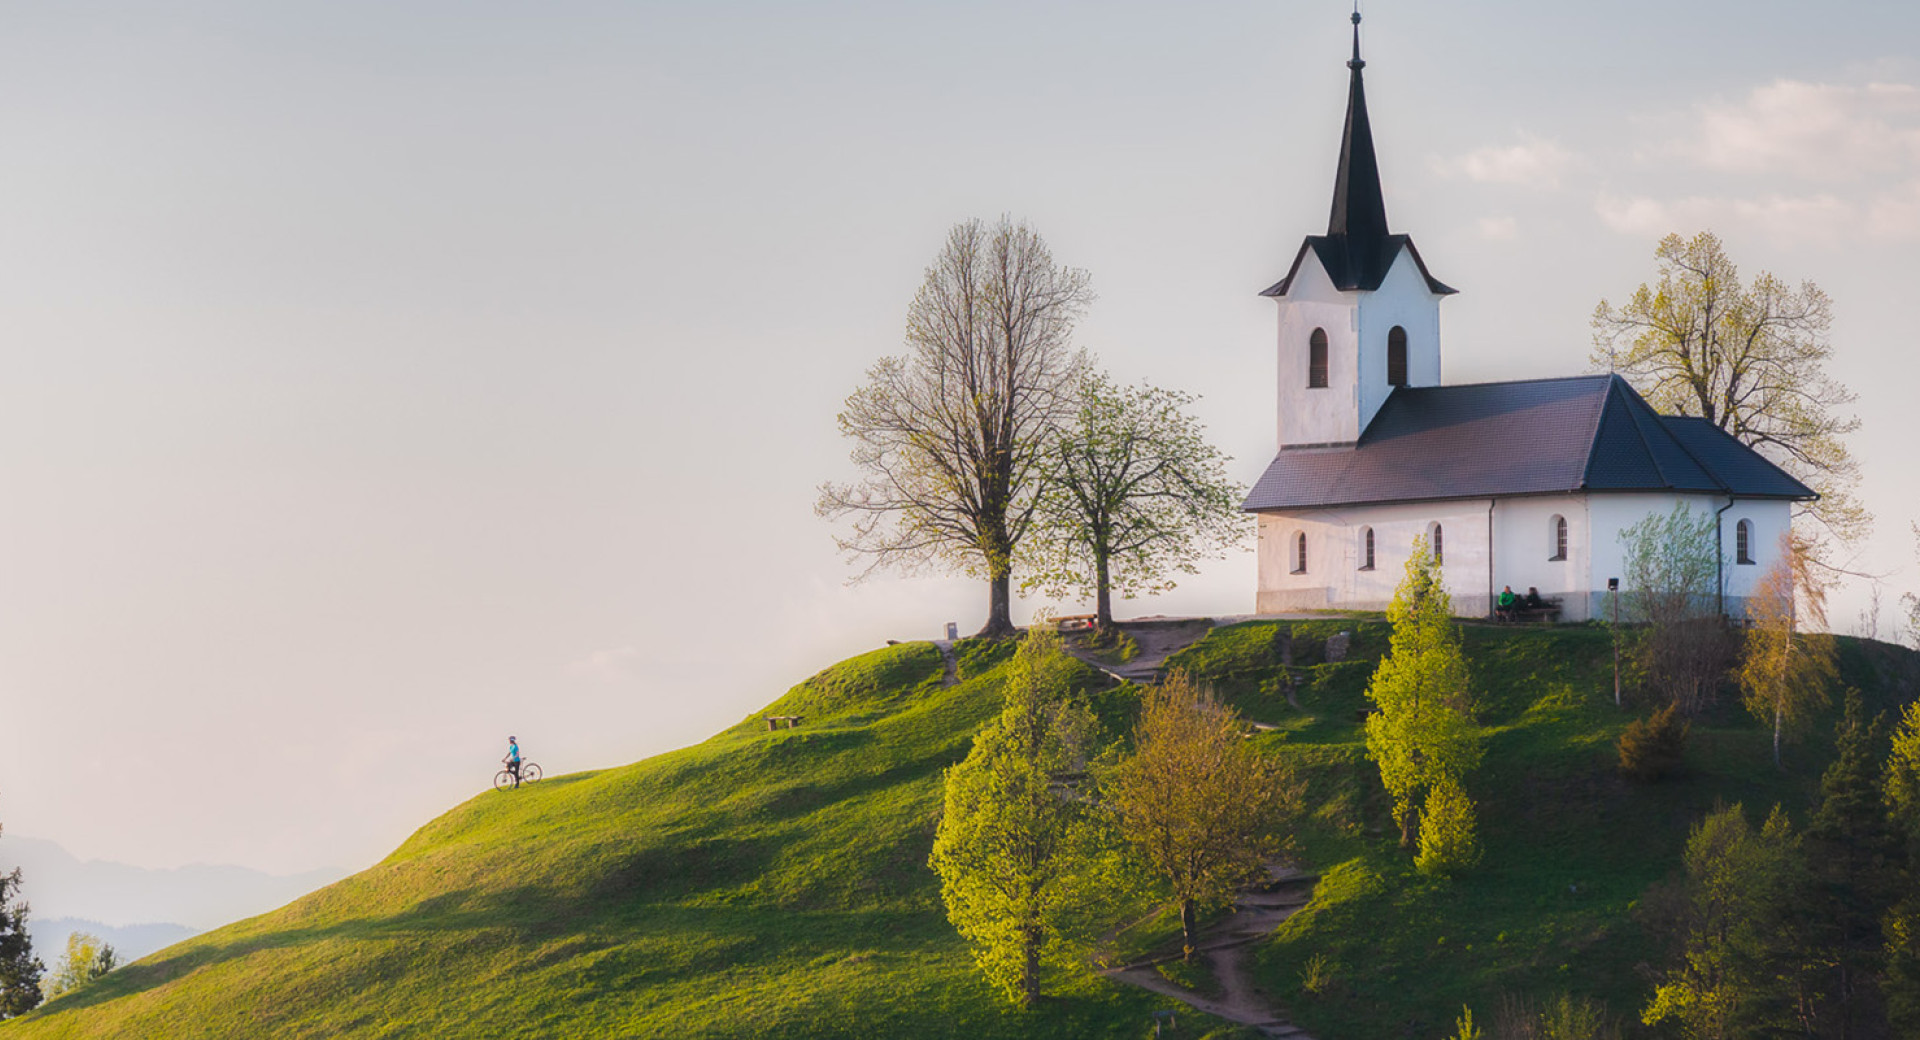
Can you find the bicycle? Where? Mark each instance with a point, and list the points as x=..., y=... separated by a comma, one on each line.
x=529, y=772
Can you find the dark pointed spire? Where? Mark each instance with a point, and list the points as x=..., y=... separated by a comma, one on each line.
x=1359, y=208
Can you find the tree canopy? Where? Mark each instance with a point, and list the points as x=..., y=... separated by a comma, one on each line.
x=1007, y=843
x=1784, y=677
x=1195, y=800
x=1749, y=358
x=954, y=437
x=1135, y=495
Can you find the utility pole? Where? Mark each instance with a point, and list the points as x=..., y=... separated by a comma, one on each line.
x=1613, y=589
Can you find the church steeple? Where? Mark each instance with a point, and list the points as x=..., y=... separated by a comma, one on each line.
x=1359, y=208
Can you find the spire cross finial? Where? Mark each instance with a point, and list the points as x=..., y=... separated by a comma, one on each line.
x=1356, y=63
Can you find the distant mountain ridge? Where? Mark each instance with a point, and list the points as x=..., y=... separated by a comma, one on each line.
x=58, y=884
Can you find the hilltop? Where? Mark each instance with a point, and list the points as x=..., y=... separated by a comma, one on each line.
x=775, y=883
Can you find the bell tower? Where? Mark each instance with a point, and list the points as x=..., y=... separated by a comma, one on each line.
x=1359, y=312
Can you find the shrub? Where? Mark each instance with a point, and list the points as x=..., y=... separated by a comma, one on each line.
x=1654, y=747
x=1448, y=841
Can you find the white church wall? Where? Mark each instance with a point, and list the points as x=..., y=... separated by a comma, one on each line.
x=1324, y=415
x=1524, y=545
x=1403, y=299
x=1335, y=539
x=1613, y=514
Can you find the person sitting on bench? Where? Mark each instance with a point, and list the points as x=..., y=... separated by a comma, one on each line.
x=1503, y=606
x=1533, y=600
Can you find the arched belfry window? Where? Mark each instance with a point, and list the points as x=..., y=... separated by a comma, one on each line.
x=1300, y=553
x=1557, y=531
x=1317, y=359
x=1366, y=548
x=1434, y=538
x=1397, y=357
x=1743, y=541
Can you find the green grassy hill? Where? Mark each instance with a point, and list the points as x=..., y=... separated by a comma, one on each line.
x=776, y=883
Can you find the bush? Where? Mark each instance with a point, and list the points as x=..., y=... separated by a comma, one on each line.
x=1654, y=747
x=1448, y=842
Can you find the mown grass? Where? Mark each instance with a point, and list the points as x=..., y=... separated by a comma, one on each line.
x=775, y=883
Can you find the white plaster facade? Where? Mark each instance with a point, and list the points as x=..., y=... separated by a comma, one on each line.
x=1489, y=543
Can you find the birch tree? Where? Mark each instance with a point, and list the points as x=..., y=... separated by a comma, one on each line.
x=953, y=437
x=1784, y=676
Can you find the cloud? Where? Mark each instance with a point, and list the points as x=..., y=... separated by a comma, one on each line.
x=605, y=665
x=1822, y=218
x=1498, y=229
x=1535, y=161
x=1814, y=131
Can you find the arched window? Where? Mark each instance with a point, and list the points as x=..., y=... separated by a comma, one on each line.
x=1558, y=532
x=1366, y=548
x=1743, y=541
x=1317, y=359
x=1439, y=547
x=1300, y=553
x=1397, y=357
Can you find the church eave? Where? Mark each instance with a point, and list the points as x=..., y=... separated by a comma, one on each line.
x=1336, y=255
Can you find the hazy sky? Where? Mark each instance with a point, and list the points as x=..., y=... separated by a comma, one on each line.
x=381, y=379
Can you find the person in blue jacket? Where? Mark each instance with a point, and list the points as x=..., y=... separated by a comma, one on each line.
x=512, y=760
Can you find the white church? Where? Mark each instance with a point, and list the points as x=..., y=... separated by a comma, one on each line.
x=1525, y=484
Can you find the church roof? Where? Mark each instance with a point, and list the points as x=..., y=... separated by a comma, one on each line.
x=1542, y=436
x=1357, y=250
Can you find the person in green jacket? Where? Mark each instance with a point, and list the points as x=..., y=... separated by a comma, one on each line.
x=1503, y=606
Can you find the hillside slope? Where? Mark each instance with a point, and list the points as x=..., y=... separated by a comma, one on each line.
x=776, y=883
x=758, y=884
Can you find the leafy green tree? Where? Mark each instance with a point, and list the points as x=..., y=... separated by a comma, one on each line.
x=1136, y=495
x=1749, y=358
x=1682, y=646
x=1420, y=733
x=1008, y=841
x=1449, y=841
x=1852, y=853
x=20, y=970
x=1195, y=800
x=1739, y=886
x=1784, y=677
x=954, y=438
x=1901, y=927
x=87, y=958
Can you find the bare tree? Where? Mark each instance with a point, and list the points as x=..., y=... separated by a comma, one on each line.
x=1751, y=359
x=953, y=436
x=1136, y=492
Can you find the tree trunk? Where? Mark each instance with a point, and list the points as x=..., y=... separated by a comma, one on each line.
x=1776, y=738
x=1030, y=967
x=1188, y=926
x=1103, y=599
x=1409, y=827
x=999, y=605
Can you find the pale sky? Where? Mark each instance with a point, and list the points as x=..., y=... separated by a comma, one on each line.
x=382, y=379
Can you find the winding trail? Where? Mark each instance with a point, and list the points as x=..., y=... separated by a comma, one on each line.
x=1224, y=943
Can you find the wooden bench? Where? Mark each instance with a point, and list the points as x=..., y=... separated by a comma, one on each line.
x=1548, y=610
x=782, y=721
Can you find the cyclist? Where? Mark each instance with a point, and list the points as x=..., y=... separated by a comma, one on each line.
x=512, y=761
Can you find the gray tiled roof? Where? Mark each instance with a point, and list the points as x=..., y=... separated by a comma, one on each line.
x=1542, y=436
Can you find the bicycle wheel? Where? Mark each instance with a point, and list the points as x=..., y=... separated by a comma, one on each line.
x=529, y=772
x=502, y=780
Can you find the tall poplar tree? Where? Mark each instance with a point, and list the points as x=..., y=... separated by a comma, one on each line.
x=1420, y=732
